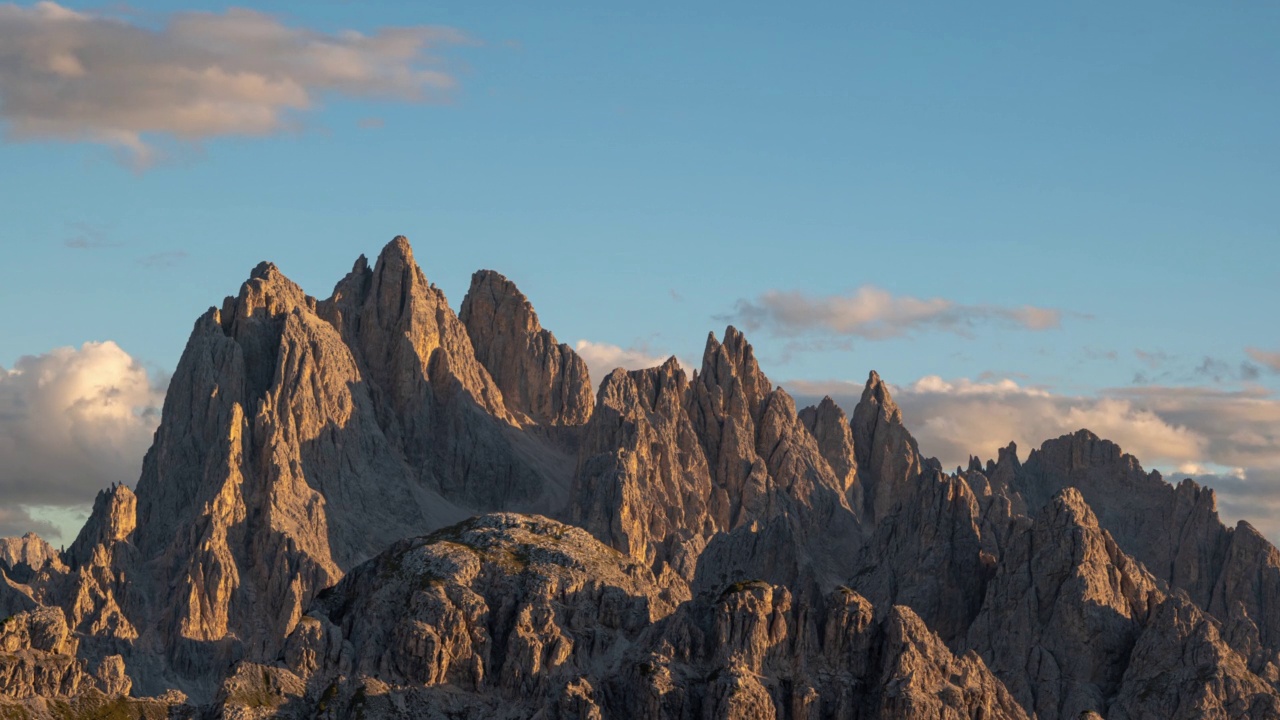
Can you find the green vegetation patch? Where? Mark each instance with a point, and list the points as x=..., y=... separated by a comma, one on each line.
x=744, y=585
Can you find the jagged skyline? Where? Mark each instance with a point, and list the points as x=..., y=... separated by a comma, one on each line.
x=1025, y=416
x=371, y=504
x=1056, y=219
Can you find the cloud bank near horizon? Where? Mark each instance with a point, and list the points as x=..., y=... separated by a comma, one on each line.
x=1227, y=439
x=67, y=75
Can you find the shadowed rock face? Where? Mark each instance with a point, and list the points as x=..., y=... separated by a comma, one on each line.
x=1063, y=612
x=829, y=426
x=725, y=555
x=1176, y=534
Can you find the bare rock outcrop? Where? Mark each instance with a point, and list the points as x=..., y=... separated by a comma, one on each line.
x=1074, y=625
x=1180, y=668
x=1246, y=599
x=768, y=476
x=15, y=597
x=725, y=401
x=1173, y=531
x=755, y=652
x=538, y=376
x=435, y=401
x=515, y=616
x=503, y=609
x=38, y=660
x=888, y=456
x=113, y=519
x=671, y=466
x=299, y=438
x=21, y=557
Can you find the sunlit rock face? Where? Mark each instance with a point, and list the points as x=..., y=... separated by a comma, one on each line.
x=539, y=377
x=370, y=505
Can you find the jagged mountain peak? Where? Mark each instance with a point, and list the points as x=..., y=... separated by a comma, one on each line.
x=270, y=289
x=734, y=358
x=397, y=253
x=301, y=438
x=26, y=554
x=876, y=393
x=265, y=270
x=1068, y=510
x=539, y=376
x=889, y=459
x=500, y=287
x=832, y=429
x=113, y=518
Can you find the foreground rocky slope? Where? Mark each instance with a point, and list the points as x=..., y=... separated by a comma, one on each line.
x=516, y=616
x=299, y=545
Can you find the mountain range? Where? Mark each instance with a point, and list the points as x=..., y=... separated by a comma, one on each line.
x=374, y=506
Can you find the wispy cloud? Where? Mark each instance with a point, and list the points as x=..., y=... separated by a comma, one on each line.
x=1152, y=359
x=1220, y=371
x=165, y=259
x=79, y=76
x=875, y=314
x=802, y=346
x=1097, y=354
x=1269, y=359
x=85, y=236
x=1164, y=369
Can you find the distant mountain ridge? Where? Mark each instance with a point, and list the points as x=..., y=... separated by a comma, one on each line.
x=370, y=505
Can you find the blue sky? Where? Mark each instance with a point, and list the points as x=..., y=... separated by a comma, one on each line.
x=639, y=171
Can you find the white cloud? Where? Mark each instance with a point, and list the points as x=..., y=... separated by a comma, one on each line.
x=73, y=76
x=603, y=358
x=873, y=313
x=72, y=422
